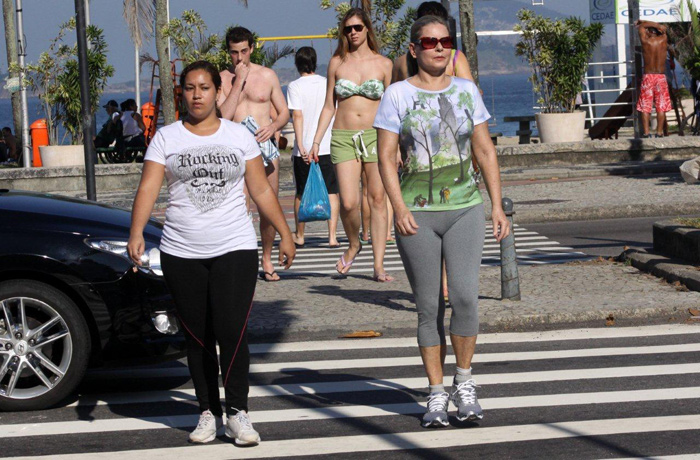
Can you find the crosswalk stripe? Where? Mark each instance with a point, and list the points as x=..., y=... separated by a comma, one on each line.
x=531, y=249
x=492, y=338
x=338, y=412
x=369, y=363
x=257, y=391
x=428, y=439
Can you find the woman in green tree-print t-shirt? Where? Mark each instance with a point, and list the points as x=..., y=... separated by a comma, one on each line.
x=439, y=121
x=435, y=129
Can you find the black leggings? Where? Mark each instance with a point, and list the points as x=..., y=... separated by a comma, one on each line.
x=213, y=298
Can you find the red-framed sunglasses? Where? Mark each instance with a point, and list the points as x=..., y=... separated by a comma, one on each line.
x=356, y=28
x=428, y=43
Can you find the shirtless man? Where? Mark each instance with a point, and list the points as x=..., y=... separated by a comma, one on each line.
x=249, y=92
x=654, y=87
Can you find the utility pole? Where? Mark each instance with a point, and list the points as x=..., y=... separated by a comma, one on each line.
x=21, y=55
x=636, y=53
x=466, y=25
x=167, y=90
x=86, y=106
x=8, y=14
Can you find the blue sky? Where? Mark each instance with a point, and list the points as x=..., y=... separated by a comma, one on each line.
x=267, y=17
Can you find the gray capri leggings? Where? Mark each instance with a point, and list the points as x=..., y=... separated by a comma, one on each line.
x=458, y=236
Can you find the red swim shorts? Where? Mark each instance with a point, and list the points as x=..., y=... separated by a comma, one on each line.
x=654, y=88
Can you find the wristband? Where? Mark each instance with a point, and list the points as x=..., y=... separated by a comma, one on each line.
x=319, y=144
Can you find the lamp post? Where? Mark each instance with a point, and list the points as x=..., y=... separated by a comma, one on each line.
x=21, y=55
x=636, y=52
x=88, y=125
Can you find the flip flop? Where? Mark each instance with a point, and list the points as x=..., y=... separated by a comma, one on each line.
x=299, y=246
x=264, y=275
x=334, y=246
x=382, y=278
x=349, y=263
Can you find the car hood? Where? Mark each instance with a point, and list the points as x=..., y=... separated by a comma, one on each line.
x=42, y=211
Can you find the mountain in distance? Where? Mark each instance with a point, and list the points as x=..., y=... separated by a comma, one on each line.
x=496, y=53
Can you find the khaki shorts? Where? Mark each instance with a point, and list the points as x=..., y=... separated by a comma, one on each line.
x=348, y=144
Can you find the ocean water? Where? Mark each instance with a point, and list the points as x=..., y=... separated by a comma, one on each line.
x=504, y=95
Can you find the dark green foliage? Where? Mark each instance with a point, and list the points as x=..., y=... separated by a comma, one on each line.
x=56, y=79
x=558, y=52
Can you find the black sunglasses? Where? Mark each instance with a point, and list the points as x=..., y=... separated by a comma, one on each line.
x=429, y=43
x=356, y=28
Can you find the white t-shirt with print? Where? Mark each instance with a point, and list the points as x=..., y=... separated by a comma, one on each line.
x=435, y=130
x=206, y=214
x=308, y=94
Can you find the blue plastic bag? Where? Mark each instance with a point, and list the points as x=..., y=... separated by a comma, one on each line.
x=314, y=202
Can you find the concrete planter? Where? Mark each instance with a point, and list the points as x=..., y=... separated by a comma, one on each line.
x=53, y=156
x=675, y=240
x=561, y=127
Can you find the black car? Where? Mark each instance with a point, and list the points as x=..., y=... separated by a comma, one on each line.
x=71, y=298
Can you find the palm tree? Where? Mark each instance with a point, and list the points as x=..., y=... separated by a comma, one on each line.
x=167, y=89
x=162, y=48
x=8, y=14
x=466, y=24
x=140, y=16
x=274, y=53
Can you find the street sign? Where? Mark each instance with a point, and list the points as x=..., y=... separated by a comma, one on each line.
x=616, y=11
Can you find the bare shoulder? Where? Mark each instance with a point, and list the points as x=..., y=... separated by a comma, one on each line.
x=226, y=73
x=265, y=73
x=335, y=62
x=400, y=61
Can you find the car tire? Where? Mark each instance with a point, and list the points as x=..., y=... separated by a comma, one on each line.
x=61, y=347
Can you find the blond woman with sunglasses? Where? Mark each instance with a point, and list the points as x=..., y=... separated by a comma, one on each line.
x=357, y=76
x=438, y=208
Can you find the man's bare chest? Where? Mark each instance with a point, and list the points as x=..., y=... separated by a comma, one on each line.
x=256, y=92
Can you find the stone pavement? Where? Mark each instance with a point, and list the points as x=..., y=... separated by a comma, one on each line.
x=552, y=295
x=553, y=193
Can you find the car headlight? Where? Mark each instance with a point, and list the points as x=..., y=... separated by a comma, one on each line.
x=150, y=260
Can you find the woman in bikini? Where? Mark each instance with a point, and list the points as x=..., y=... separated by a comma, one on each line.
x=357, y=76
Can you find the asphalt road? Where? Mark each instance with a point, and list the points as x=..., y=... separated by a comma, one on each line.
x=605, y=238
x=585, y=393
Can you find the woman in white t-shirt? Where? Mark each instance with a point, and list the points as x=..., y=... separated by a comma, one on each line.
x=438, y=207
x=209, y=248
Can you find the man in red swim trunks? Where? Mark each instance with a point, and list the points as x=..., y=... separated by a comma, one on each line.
x=654, y=88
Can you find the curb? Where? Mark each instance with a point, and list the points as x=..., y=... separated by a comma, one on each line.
x=531, y=216
x=486, y=325
x=672, y=270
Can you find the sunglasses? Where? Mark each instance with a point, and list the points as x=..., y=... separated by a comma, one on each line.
x=428, y=43
x=356, y=28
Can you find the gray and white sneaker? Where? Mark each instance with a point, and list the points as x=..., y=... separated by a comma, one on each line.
x=464, y=398
x=241, y=429
x=436, y=416
x=207, y=428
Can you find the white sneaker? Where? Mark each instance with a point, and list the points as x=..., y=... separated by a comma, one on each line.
x=241, y=429
x=436, y=415
x=464, y=398
x=207, y=428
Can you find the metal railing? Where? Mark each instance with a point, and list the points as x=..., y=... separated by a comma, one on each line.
x=588, y=94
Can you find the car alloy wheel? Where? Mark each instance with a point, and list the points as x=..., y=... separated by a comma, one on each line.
x=41, y=333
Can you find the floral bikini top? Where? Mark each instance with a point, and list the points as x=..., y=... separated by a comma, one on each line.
x=371, y=89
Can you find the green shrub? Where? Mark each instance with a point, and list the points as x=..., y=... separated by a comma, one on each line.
x=558, y=52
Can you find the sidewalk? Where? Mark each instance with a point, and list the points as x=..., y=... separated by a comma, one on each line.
x=550, y=193
x=575, y=294
x=593, y=293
